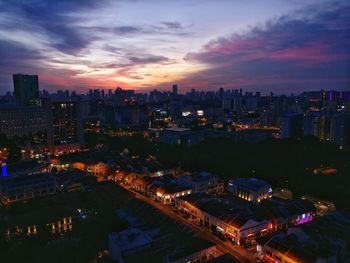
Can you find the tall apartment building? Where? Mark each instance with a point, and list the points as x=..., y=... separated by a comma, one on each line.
x=26, y=89
x=65, y=129
x=21, y=121
x=291, y=125
x=340, y=129
x=318, y=125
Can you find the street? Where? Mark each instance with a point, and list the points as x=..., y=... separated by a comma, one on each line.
x=235, y=251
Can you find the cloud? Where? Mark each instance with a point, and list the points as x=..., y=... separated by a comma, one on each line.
x=88, y=43
x=173, y=25
x=123, y=30
x=128, y=30
x=148, y=59
x=55, y=19
x=305, y=50
x=116, y=30
x=72, y=43
x=16, y=58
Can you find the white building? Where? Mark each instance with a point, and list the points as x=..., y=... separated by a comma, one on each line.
x=250, y=189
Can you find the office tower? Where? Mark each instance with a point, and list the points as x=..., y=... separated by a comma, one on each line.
x=26, y=89
x=237, y=103
x=232, y=102
x=129, y=115
x=174, y=91
x=96, y=94
x=251, y=102
x=318, y=125
x=340, y=129
x=291, y=125
x=18, y=121
x=221, y=93
x=65, y=134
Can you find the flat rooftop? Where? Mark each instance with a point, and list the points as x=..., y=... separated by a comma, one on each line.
x=252, y=183
x=177, y=129
x=174, y=240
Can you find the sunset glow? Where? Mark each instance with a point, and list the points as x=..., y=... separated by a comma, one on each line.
x=78, y=45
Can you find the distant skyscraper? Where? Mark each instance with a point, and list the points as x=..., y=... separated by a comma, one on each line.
x=174, y=91
x=291, y=125
x=340, y=129
x=26, y=89
x=221, y=93
x=318, y=125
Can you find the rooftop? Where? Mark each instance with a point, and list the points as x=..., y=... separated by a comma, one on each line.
x=131, y=238
x=324, y=237
x=286, y=208
x=233, y=212
x=202, y=176
x=9, y=182
x=177, y=129
x=252, y=183
x=173, y=241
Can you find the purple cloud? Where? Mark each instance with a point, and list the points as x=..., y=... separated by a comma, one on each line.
x=16, y=57
x=307, y=50
x=148, y=59
x=53, y=19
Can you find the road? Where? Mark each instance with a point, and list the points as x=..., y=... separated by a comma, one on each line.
x=235, y=251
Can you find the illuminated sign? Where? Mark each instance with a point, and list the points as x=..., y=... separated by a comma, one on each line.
x=304, y=218
x=4, y=170
x=220, y=229
x=186, y=113
x=200, y=113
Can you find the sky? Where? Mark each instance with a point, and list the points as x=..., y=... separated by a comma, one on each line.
x=283, y=46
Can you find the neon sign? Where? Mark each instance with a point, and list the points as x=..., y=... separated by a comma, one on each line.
x=4, y=170
x=304, y=219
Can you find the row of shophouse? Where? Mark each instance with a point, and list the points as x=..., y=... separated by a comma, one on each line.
x=240, y=221
x=230, y=220
x=325, y=239
x=167, y=188
x=242, y=214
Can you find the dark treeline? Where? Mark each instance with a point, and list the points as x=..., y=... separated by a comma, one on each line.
x=284, y=163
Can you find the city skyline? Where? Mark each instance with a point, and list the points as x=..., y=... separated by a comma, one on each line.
x=279, y=46
x=174, y=131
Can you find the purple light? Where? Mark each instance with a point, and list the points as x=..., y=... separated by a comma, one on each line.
x=4, y=170
x=303, y=219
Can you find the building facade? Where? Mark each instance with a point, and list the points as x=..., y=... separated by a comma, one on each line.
x=21, y=188
x=250, y=189
x=26, y=89
x=23, y=121
x=65, y=133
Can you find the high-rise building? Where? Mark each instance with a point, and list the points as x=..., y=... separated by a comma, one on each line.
x=65, y=134
x=340, y=129
x=318, y=125
x=174, y=91
x=233, y=103
x=291, y=125
x=26, y=89
x=129, y=115
x=20, y=121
